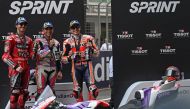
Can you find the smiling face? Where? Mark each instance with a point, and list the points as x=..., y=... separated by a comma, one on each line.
x=75, y=30
x=48, y=32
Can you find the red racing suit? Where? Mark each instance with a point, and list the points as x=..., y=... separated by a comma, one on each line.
x=17, y=51
x=48, y=63
x=79, y=50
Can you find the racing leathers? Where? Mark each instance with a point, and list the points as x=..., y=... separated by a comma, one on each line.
x=17, y=51
x=48, y=63
x=79, y=51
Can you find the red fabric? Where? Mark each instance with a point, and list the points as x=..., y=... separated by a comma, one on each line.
x=170, y=78
x=18, y=56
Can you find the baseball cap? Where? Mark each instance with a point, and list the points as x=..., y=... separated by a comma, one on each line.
x=21, y=20
x=74, y=24
x=47, y=25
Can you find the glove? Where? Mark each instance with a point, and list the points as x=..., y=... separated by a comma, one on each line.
x=95, y=53
x=51, y=43
x=59, y=75
x=65, y=59
x=19, y=69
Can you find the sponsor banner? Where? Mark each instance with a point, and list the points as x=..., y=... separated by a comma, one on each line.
x=154, y=7
x=36, y=12
x=125, y=35
x=39, y=7
x=181, y=33
x=168, y=50
x=153, y=35
x=139, y=51
x=101, y=69
x=160, y=37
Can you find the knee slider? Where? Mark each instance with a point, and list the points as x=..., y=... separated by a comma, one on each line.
x=14, y=97
x=23, y=97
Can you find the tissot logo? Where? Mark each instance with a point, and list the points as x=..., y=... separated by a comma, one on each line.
x=154, y=6
x=37, y=36
x=125, y=35
x=139, y=51
x=3, y=37
x=168, y=50
x=153, y=35
x=181, y=34
x=66, y=35
x=40, y=7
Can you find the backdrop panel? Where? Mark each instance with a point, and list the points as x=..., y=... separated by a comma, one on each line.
x=148, y=36
x=59, y=12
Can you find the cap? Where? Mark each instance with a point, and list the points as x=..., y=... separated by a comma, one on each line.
x=74, y=24
x=21, y=20
x=48, y=25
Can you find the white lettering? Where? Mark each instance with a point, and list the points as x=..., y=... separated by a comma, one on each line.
x=25, y=3
x=144, y=5
x=15, y=9
x=99, y=66
x=134, y=7
x=101, y=70
x=40, y=7
x=154, y=7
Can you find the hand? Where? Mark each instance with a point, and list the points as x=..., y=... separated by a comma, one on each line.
x=82, y=54
x=51, y=43
x=19, y=69
x=96, y=53
x=70, y=53
x=59, y=75
x=64, y=60
x=89, y=44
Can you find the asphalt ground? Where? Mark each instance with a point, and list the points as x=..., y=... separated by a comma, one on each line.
x=104, y=94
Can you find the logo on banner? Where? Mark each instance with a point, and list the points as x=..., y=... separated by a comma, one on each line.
x=64, y=96
x=40, y=7
x=181, y=34
x=125, y=35
x=40, y=35
x=66, y=35
x=139, y=51
x=37, y=36
x=101, y=70
x=153, y=35
x=154, y=6
x=168, y=50
x=4, y=37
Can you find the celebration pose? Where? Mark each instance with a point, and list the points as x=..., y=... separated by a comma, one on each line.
x=17, y=51
x=47, y=52
x=79, y=49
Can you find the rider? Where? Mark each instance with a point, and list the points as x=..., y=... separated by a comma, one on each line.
x=18, y=49
x=172, y=74
x=47, y=52
x=79, y=49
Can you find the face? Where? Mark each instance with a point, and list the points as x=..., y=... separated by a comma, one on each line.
x=48, y=31
x=106, y=40
x=21, y=28
x=75, y=30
